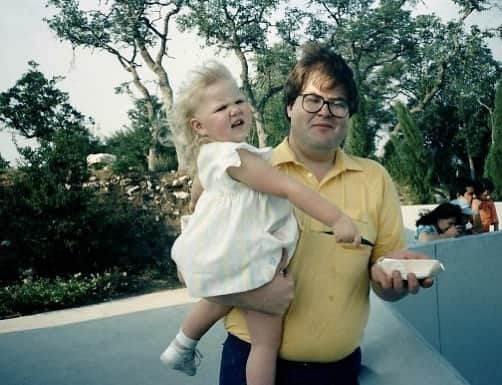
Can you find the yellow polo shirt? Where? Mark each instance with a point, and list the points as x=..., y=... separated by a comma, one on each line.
x=326, y=319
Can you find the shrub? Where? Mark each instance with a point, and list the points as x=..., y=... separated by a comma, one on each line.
x=63, y=232
x=47, y=294
x=32, y=296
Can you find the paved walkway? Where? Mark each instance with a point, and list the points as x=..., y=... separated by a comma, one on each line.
x=120, y=342
x=112, y=343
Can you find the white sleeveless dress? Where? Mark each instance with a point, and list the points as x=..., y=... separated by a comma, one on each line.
x=234, y=239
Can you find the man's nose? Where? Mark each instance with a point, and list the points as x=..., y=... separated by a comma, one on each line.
x=324, y=111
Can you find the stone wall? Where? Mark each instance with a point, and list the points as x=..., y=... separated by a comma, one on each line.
x=166, y=194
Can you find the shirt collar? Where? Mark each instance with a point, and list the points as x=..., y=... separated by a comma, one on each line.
x=343, y=162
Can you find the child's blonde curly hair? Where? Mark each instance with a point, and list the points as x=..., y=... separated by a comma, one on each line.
x=188, y=100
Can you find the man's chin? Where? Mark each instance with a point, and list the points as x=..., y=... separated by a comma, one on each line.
x=326, y=145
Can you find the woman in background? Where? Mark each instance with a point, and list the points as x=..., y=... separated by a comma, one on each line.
x=440, y=223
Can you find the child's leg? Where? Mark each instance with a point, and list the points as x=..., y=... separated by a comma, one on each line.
x=265, y=331
x=181, y=352
x=201, y=317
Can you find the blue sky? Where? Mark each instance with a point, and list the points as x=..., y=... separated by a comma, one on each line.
x=90, y=77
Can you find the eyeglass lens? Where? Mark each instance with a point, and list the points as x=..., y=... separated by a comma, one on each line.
x=314, y=103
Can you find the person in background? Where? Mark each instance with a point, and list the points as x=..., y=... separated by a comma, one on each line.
x=462, y=195
x=485, y=206
x=462, y=191
x=440, y=223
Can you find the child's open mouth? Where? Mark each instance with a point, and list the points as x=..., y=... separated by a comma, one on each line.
x=238, y=122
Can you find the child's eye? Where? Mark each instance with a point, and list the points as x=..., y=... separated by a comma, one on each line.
x=239, y=101
x=221, y=108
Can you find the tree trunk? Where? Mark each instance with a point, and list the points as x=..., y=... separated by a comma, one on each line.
x=152, y=159
x=260, y=129
x=184, y=154
x=248, y=91
x=471, y=166
x=181, y=143
x=472, y=170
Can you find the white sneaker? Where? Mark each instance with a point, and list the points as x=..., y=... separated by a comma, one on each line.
x=184, y=360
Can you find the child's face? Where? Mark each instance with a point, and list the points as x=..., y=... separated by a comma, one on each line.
x=485, y=195
x=223, y=113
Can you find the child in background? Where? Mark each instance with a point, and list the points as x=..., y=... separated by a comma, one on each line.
x=242, y=222
x=486, y=206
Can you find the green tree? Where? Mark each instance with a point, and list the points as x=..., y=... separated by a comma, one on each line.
x=35, y=108
x=493, y=168
x=410, y=162
x=395, y=55
x=50, y=221
x=135, y=32
x=132, y=144
x=452, y=69
x=373, y=36
x=439, y=125
x=275, y=120
x=41, y=206
x=243, y=28
x=358, y=141
x=472, y=81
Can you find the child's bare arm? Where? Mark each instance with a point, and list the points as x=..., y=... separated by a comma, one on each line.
x=261, y=176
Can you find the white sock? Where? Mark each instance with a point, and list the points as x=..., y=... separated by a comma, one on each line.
x=185, y=341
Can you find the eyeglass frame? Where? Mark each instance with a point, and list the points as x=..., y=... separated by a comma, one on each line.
x=325, y=102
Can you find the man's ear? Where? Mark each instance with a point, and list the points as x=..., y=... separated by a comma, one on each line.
x=197, y=126
x=288, y=111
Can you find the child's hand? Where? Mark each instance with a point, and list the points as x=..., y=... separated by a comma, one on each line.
x=346, y=231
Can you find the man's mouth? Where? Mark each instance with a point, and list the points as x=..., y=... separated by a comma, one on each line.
x=325, y=126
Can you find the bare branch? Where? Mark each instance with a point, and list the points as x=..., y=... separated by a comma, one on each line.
x=270, y=92
x=163, y=36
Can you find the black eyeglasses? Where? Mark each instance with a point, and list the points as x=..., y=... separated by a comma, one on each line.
x=313, y=103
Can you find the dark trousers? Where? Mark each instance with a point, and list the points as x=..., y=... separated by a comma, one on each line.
x=235, y=353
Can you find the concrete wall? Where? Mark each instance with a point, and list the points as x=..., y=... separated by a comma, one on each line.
x=462, y=316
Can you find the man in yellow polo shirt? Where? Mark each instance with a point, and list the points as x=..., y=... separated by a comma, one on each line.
x=324, y=323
